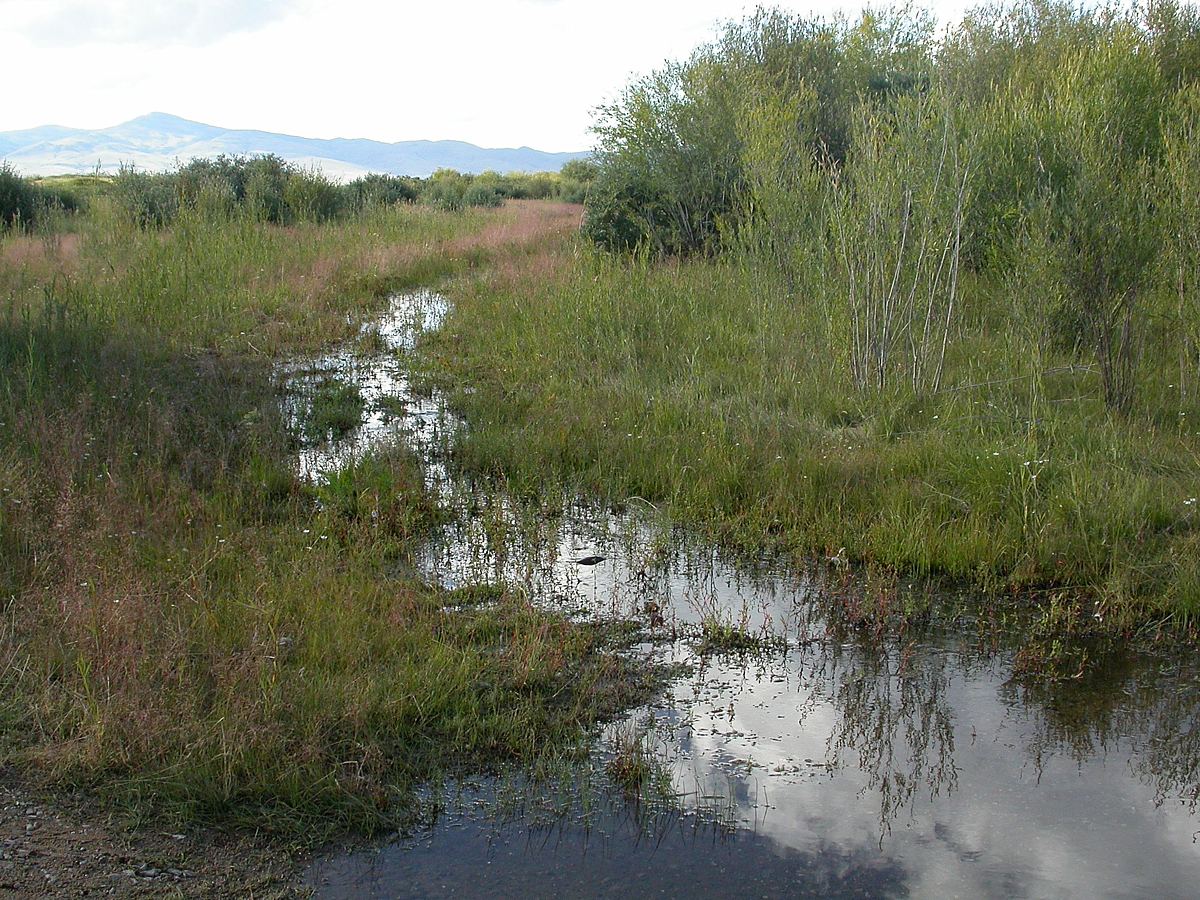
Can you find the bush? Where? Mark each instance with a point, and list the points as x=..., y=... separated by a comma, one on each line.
x=575, y=180
x=670, y=153
x=625, y=211
x=312, y=197
x=224, y=176
x=381, y=190
x=482, y=195
x=19, y=198
x=146, y=200
x=445, y=190
x=266, y=185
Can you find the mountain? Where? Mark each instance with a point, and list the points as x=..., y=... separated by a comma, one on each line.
x=158, y=141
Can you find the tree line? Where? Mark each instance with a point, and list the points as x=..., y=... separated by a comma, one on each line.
x=270, y=189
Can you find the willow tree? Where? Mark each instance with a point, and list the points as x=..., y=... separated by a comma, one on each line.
x=897, y=214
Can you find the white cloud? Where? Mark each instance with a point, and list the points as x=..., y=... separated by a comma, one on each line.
x=69, y=23
x=501, y=73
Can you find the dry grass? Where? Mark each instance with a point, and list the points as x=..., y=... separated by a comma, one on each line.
x=41, y=254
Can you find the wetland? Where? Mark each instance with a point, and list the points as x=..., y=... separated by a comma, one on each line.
x=812, y=511
x=814, y=756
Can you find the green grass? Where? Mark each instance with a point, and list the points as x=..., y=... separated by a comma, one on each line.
x=708, y=389
x=335, y=409
x=718, y=635
x=638, y=771
x=190, y=631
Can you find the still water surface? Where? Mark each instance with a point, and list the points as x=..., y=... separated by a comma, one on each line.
x=832, y=765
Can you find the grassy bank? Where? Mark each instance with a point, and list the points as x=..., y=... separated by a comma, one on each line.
x=188, y=629
x=923, y=292
x=711, y=390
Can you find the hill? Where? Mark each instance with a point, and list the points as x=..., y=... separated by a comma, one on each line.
x=158, y=141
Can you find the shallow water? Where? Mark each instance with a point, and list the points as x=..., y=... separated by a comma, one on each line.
x=830, y=765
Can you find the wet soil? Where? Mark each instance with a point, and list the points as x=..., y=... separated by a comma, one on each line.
x=59, y=846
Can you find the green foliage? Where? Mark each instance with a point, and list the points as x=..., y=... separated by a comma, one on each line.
x=448, y=189
x=520, y=185
x=445, y=190
x=623, y=210
x=583, y=171
x=311, y=197
x=479, y=194
x=146, y=200
x=1110, y=100
x=671, y=151
x=260, y=188
x=266, y=188
x=25, y=203
x=18, y=198
x=202, y=634
x=809, y=148
x=1180, y=193
x=668, y=160
x=897, y=217
x=784, y=217
x=710, y=389
x=382, y=190
x=269, y=189
x=1173, y=33
x=229, y=172
x=335, y=408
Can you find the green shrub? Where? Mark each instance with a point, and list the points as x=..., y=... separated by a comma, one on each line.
x=19, y=198
x=575, y=179
x=266, y=186
x=482, y=195
x=312, y=197
x=445, y=190
x=146, y=200
x=381, y=190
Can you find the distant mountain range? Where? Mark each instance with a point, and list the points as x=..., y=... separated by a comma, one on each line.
x=158, y=141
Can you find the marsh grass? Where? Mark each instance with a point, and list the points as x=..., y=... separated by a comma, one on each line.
x=720, y=636
x=720, y=631
x=335, y=409
x=638, y=770
x=710, y=389
x=189, y=630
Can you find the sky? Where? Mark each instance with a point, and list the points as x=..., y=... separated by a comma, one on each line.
x=503, y=73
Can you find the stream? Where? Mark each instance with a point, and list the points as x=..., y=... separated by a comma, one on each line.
x=825, y=763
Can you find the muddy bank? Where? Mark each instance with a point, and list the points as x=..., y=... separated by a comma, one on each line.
x=52, y=845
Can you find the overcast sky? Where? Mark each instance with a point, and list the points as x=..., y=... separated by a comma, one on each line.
x=498, y=73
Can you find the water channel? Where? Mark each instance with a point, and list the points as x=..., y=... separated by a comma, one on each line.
x=827, y=764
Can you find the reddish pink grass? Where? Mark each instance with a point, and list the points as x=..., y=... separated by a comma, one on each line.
x=526, y=240
x=57, y=253
x=315, y=280
x=521, y=223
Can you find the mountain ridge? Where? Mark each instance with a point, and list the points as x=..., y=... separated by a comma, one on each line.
x=158, y=141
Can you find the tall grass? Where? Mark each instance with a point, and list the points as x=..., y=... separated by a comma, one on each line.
x=872, y=162
x=926, y=296
x=189, y=630
x=706, y=387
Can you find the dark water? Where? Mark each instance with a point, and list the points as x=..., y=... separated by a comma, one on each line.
x=842, y=765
